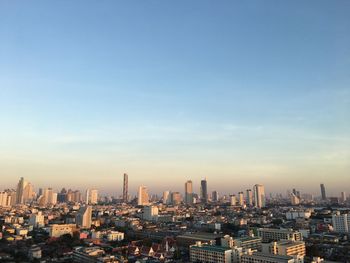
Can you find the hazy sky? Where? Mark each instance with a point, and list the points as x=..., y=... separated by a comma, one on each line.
x=240, y=92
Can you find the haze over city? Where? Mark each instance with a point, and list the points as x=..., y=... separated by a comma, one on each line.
x=238, y=93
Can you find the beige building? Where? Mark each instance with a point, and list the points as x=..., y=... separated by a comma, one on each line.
x=143, y=197
x=211, y=254
x=60, y=230
x=271, y=234
x=258, y=257
x=189, y=193
x=83, y=217
x=259, y=196
x=285, y=248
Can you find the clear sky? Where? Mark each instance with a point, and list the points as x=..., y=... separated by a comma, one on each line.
x=240, y=92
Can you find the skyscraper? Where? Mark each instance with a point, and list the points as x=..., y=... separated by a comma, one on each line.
x=259, y=196
x=343, y=197
x=166, y=197
x=204, y=191
x=240, y=198
x=93, y=197
x=125, y=188
x=249, y=197
x=24, y=191
x=84, y=215
x=323, y=192
x=143, y=198
x=188, y=192
x=215, y=196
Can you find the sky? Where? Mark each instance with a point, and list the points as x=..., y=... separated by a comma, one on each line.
x=238, y=92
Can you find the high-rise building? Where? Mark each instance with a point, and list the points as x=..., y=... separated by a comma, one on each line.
x=5, y=199
x=125, y=188
x=323, y=192
x=176, y=198
x=48, y=197
x=259, y=196
x=204, y=191
x=343, y=197
x=189, y=193
x=249, y=197
x=241, y=199
x=24, y=192
x=91, y=196
x=233, y=200
x=341, y=223
x=294, y=199
x=166, y=197
x=215, y=196
x=143, y=197
x=83, y=217
x=93, y=199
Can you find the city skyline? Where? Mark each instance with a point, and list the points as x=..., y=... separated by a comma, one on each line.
x=250, y=194
x=239, y=93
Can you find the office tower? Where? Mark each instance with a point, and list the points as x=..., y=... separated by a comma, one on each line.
x=24, y=192
x=166, y=197
x=175, y=198
x=4, y=199
x=188, y=193
x=62, y=196
x=143, y=198
x=249, y=197
x=93, y=196
x=233, y=200
x=341, y=222
x=76, y=196
x=125, y=188
x=204, y=191
x=323, y=192
x=259, y=196
x=83, y=217
x=343, y=197
x=215, y=196
x=240, y=199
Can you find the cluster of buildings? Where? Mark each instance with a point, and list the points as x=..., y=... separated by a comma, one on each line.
x=248, y=227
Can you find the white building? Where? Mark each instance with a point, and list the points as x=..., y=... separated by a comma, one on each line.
x=150, y=213
x=37, y=220
x=115, y=236
x=341, y=222
x=259, y=196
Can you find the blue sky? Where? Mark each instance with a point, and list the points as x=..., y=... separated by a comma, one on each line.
x=239, y=92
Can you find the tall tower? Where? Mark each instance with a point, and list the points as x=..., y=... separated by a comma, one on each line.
x=189, y=192
x=259, y=196
x=249, y=197
x=323, y=192
x=125, y=188
x=204, y=191
x=143, y=198
x=19, y=191
x=83, y=217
